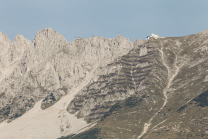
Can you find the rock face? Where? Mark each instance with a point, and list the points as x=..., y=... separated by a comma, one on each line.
x=115, y=82
x=166, y=76
x=49, y=67
x=147, y=89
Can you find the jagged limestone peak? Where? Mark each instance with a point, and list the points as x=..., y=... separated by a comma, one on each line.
x=4, y=43
x=48, y=35
x=21, y=41
x=48, y=42
x=3, y=37
x=19, y=37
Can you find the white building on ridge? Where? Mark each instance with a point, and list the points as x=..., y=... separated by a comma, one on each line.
x=153, y=36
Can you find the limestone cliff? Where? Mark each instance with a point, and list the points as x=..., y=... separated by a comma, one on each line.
x=49, y=67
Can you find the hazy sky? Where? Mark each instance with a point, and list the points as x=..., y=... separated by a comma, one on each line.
x=82, y=18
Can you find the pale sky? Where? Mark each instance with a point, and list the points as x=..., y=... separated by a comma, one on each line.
x=84, y=18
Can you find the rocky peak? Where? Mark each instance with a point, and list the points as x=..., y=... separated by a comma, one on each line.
x=21, y=41
x=4, y=43
x=100, y=50
x=4, y=36
x=11, y=52
x=48, y=35
x=48, y=42
x=21, y=38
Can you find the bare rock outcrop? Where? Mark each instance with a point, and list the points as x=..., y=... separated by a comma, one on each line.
x=47, y=43
x=49, y=67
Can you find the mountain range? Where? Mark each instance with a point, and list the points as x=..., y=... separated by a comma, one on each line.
x=103, y=88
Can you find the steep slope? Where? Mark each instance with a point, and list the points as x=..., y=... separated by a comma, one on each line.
x=49, y=123
x=46, y=70
x=13, y=66
x=20, y=88
x=187, y=85
x=164, y=76
x=139, y=74
x=116, y=82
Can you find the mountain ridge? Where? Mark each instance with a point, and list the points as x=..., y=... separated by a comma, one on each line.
x=49, y=68
x=149, y=82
